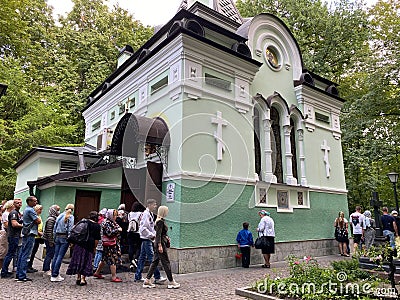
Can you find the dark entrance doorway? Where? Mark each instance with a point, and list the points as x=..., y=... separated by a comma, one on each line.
x=142, y=184
x=154, y=181
x=85, y=202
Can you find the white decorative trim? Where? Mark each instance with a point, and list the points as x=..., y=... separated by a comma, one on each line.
x=327, y=190
x=326, y=149
x=81, y=184
x=276, y=33
x=21, y=190
x=218, y=134
x=185, y=175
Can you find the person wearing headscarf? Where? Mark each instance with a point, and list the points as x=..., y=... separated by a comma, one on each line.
x=122, y=221
x=266, y=228
x=111, y=249
x=162, y=242
x=48, y=237
x=99, y=248
x=82, y=256
x=62, y=228
x=369, y=229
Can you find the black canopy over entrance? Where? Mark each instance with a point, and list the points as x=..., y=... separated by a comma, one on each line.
x=132, y=130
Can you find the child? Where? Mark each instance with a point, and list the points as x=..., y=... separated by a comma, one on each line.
x=245, y=241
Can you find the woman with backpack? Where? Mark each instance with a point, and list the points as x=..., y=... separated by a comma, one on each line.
x=82, y=256
x=133, y=237
x=111, y=249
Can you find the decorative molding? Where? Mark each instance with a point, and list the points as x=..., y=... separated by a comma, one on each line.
x=81, y=185
x=186, y=175
x=218, y=134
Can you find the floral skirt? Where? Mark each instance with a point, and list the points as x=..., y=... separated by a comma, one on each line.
x=81, y=262
x=112, y=255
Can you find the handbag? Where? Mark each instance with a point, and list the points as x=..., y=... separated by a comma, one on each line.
x=27, y=229
x=108, y=241
x=261, y=242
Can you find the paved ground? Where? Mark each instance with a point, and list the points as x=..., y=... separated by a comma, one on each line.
x=220, y=284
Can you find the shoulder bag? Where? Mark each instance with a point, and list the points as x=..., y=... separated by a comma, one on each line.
x=261, y=242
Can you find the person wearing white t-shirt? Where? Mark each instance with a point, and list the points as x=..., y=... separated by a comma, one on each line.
x=357, y=221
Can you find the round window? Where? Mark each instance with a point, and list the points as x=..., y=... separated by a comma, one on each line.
x=272, y=57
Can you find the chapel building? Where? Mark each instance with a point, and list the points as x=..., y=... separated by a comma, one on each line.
x=216, y=117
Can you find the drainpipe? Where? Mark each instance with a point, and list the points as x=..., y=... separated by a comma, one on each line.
x=81, y=158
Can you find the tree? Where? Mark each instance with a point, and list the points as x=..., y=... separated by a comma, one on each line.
x=50, y=70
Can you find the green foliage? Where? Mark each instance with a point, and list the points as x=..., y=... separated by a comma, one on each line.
x=309, y=280
x=50, y=70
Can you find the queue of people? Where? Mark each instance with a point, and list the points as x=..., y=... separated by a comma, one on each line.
x=144, y=236
x=363, y=226
x=142, y=233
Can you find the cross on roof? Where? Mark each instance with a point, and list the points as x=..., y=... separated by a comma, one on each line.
x=224, y=7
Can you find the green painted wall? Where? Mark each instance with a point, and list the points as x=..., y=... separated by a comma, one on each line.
x=212, y=213
x=113, y=176
x=199, y=146
x=315, y=166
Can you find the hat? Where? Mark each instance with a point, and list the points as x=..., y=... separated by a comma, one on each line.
x=264, y=212
x=367, y=213
x=103, y=211
x=394, y=212
x=121, y=207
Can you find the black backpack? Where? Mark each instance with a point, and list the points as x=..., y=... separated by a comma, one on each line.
x=79, y=233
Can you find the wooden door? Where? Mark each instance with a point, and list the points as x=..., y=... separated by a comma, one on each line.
x=85, y=202
x=154, y=181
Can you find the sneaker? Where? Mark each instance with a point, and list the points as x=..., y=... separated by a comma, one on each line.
x=160, y=280
x=139, y=280
x=47, y=273
x=26, y=279
x=31, y=270
x=7, y=275
x=134, y=262
x=132, y=268
x=147, y=284
x=173, y=285
x=56, y=279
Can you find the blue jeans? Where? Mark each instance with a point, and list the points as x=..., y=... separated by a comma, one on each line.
x=25, y=253
x=146, y=251
x=391, y=236
x=12, y=250
x=97, y=259
x=61, y=247
x=49, y=255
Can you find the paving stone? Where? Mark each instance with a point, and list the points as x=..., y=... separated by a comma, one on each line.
x=216, y=284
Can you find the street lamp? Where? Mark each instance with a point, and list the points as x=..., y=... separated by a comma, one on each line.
x=3, y=88
x=393, y=177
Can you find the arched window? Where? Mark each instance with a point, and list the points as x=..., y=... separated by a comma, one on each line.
x=293, y=150
x=276, y=145
x=257, y=146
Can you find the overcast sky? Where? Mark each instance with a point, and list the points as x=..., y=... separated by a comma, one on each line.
x=149, y=12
